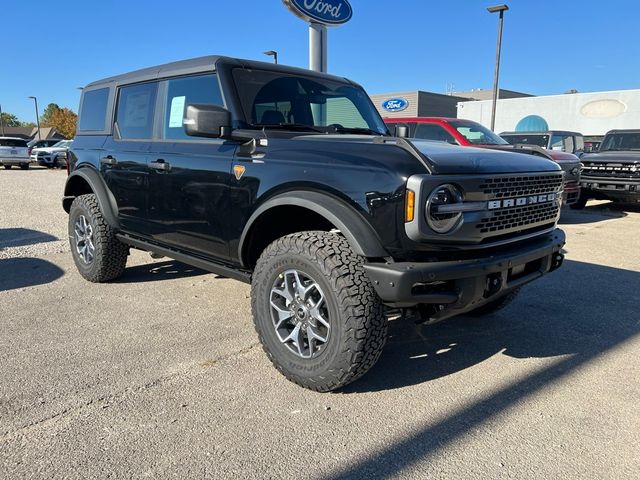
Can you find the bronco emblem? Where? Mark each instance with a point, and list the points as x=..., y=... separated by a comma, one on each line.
x=518, y=202
x=238, y=171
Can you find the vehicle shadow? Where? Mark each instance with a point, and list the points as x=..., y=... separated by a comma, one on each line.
x=553, y=316
x=543, y=323
x=593, y=213
x=27, y=272
x=153, y=272
x=20, y=237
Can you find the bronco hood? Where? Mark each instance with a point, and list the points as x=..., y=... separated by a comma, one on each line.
x=613, y=156
x=442, y=158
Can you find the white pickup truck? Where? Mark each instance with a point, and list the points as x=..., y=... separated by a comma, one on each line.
x=14, y=151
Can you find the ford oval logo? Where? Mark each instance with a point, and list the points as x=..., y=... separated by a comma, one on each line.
x=395, y=104
x=327, y=12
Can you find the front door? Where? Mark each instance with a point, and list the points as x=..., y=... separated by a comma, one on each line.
x=189, y=177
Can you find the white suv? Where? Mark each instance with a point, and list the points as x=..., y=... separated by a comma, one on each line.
x=14, y=151
x=49, y=156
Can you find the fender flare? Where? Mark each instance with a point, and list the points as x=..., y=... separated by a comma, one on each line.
x=106, y=200
x=359, y=233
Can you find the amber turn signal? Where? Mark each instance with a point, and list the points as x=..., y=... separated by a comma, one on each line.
x=409, y=206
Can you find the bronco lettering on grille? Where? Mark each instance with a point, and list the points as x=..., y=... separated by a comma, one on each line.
x=520, y=201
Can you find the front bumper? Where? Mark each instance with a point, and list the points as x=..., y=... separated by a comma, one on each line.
x=571, y=193
x=458, y=286
x=621, y=189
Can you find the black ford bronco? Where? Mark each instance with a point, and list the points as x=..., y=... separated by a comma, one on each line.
x=289, y=180
x=613, y=172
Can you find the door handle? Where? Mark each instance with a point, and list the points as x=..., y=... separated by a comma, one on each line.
x=161, y=165
x=108, y=160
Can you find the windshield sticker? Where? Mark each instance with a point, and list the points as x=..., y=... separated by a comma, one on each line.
x=177, y=112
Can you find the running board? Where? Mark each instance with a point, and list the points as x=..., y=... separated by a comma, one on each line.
x=214, y=267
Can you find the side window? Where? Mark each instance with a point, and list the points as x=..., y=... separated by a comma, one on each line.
x=557, y=142
x=180, y=93
x=429, y=131
x=94, y=110
x=579, y=143
x=136, y=105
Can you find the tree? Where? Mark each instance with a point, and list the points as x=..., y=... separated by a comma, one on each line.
x=63, y=120
x=10, y=120
x=49, y=112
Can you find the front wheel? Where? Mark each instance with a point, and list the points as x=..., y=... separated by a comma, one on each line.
x=316, y=313
x=8, y=167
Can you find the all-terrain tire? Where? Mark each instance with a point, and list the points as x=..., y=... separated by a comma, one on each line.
x=109, y=256
x=24, y=166
x=495, y=305
x=358, y=324
x=7, y=167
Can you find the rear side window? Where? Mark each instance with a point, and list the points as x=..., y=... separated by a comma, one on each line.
x=435, y=132
x=12, y=142
x=180, y=93
x=136, y=106
x=94, y=110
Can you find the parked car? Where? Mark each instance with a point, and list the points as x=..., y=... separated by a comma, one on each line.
x=472, y=134
x=287, y=179
x=44, y=143
x=591, y=146
x=14, y=152
x=50, y=157
x=558, y=140
x=613, y=172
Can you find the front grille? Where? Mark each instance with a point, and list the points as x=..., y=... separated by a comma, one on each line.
x=507, y=187
x=610, y=170
x=516, y=217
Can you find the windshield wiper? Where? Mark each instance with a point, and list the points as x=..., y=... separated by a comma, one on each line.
x=287, y=126
x=356, y=130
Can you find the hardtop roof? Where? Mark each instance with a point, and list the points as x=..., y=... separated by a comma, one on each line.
x=200, y=65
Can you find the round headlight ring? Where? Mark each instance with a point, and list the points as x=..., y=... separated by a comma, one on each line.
x=443, y=223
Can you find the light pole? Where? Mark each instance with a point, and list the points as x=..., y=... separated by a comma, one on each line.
x=37, y=116
x=272, y=53
x=500, y=9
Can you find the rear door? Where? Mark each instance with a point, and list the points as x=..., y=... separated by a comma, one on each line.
x=124, y=161
x=188, y=200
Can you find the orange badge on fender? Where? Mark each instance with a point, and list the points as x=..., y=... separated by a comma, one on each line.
x=238, y=170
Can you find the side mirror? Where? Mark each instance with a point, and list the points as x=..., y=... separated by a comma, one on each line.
x=402, y=131
x=206, y=120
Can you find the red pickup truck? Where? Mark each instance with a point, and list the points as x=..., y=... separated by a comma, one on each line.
x=468, y=133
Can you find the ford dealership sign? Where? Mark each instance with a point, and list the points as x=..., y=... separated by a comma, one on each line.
x=327, y=12
x=395, y=104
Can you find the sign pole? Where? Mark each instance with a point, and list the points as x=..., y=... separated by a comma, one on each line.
x=317, y=47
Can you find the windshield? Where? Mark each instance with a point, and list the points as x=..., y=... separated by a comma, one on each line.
x=62, y=143
x=621, y=141
x=539, y=140
x=277, y=99
x=477, y=134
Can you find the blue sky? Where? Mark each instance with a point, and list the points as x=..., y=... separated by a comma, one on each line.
x=549, y=47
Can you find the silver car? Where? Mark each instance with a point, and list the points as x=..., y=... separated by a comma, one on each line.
x=14, y=151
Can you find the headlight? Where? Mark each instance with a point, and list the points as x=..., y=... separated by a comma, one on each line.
x=438, y=219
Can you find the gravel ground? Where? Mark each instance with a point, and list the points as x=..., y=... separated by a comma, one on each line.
x=159, y=374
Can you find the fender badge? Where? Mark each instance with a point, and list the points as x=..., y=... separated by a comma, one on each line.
x=238, y=171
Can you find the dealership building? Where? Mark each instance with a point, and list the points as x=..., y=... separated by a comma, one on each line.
x=592, y=114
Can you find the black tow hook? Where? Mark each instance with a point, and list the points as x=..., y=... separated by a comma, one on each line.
x=494, y=284
x=556, y=261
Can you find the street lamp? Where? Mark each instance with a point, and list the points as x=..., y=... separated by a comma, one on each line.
x=500, y=9
x=37, y=116
x=272, y=53
x=1, y=121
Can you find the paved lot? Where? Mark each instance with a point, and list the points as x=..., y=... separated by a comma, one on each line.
x=159, y=374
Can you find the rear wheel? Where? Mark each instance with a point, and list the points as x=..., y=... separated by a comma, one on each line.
x=8, y=167
x=97, y=253
x=495, y=305
x=317, y=315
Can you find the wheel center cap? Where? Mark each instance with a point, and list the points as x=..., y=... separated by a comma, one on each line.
x=301, y=312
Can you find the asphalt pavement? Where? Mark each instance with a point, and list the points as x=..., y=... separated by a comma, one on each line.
x=159, y=374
